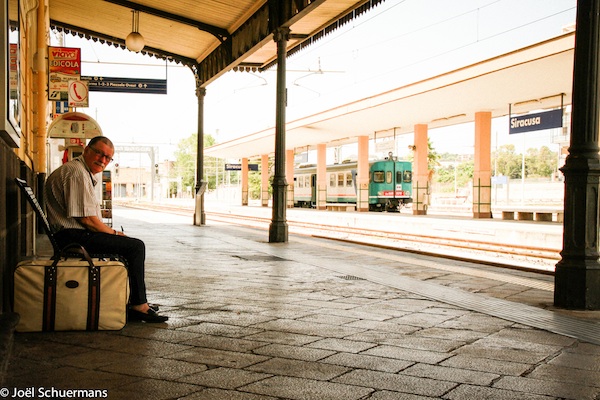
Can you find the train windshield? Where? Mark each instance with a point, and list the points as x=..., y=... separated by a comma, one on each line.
x=378, y=176
x=407, y=176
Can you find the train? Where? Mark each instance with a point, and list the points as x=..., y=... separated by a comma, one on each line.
x=390, y=184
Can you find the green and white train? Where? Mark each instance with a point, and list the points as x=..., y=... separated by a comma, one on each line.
x=390, y=184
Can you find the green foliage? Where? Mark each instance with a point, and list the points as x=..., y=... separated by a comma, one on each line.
x=459, y=173
x=540, y=162
x=508, y=162
x=185, y=161
x=433, y=159
x=255, y=181
x=254, y=185
x=456, y=171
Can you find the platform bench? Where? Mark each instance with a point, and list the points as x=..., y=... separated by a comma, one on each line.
x=531, y=215
x=340, y=207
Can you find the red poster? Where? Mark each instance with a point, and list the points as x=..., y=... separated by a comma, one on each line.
x=64, y=65
x=13, y=70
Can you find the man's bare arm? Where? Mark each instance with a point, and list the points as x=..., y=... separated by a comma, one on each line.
x=94, y=224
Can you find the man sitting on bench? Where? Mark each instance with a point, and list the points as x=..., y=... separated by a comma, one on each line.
x=74, y=213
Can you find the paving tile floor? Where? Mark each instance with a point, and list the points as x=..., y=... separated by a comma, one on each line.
x=315, y=319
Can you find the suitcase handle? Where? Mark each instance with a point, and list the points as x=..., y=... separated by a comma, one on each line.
x=74, y=248
x=50, y=288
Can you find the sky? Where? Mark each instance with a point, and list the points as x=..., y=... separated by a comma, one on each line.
x=396, y=43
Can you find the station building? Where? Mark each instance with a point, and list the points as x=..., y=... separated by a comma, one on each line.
x=251, y=35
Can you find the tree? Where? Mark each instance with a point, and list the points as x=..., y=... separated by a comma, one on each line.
x=540, y=162
x=454, y=175
x=185, y=159
x=508, y=162
x=433, y=160
x=254, y=185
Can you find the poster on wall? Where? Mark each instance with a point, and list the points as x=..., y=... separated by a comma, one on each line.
x=78, y=94
x=13, y=71
x=64, y=65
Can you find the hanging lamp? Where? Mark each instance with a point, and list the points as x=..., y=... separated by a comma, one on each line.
x=135, y=41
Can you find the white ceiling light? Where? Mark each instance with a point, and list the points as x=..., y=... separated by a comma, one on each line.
x=135, y=41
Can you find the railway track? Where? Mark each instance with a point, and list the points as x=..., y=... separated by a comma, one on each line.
x=522, y=257
x=501, y=255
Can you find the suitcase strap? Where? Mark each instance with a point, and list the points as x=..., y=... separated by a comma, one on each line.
x=93, y=299
x=93, y=306
x=49, y=313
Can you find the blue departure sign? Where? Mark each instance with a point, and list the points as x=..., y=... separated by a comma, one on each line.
x=125, y=85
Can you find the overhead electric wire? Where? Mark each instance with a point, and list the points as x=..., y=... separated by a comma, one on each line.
x=437, y=55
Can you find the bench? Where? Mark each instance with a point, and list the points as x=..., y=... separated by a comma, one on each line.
x=340, y=207
x=37, y=207
x=532, y=214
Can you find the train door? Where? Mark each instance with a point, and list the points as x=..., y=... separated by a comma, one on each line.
x=353, y=172
x=313, y=190
x=394, y=183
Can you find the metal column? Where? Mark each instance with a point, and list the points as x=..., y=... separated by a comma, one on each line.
x=577, y=277
x=278, y=230
x=199, y=214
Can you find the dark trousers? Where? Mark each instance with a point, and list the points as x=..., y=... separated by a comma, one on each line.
x=131, y=249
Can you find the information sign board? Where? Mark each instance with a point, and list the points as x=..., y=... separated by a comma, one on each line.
x=238, y=167
x=125, y=85
x=233, y=167
x=536, y=122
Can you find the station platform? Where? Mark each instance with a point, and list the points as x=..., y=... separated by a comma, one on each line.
x=318, y=319
x=441, y=223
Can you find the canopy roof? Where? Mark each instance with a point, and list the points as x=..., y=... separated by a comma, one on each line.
x=532, y=78
x=211, y=36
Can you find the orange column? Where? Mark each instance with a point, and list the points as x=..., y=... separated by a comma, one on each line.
x=321, y=176
x=41, y=93
x=289, y=177
x=362, y=174
x=420, y=185
x=244, y=181
x=264, y=175
x=482, y=173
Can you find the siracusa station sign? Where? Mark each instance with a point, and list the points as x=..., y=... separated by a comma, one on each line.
x=536, y=122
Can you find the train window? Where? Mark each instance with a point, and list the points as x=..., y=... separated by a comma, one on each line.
x=407, y=177
x=300, y=181
x=378, y=176
x=388, y=176
x=332, y=180
x=348, y=180
x=398, y=176
x=340, y=181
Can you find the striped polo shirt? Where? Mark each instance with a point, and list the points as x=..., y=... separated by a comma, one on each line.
x=69, y=193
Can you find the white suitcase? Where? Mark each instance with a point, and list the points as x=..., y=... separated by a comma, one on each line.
x=71, y=294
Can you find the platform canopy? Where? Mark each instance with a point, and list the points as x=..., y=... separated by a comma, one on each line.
x=211, y=36
x=536, y=77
